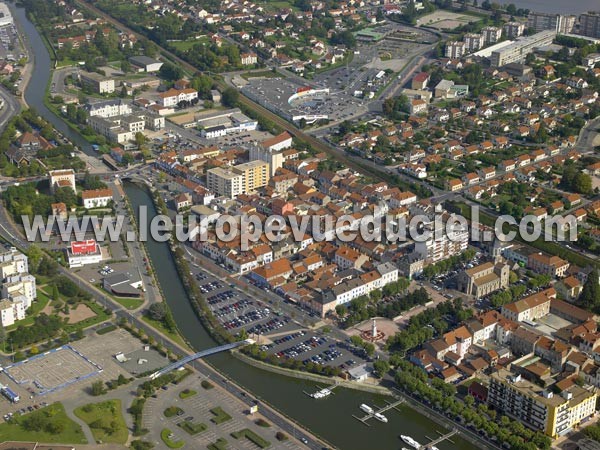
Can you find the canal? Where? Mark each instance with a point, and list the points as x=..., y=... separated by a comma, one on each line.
x=330, y=418
x=36, y=88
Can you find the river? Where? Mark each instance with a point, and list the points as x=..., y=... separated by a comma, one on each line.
x=330, y=418
x=555, y=6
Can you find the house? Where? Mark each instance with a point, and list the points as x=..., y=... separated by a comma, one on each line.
x=96, y=198
x=454, y=184
x=248, y=59
x=418, y=106
x=182, y=201
x=420, y=80
x=62, y=178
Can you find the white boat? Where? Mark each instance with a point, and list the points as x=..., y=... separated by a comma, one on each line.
x=381, y=417
x=433, y=447
x=410, y=441
x=325, y=392
x=367, y=409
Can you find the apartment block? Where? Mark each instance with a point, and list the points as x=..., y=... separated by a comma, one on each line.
x=474, y=42
x=455, y=49
x=538, y=407
x=225, y=182
x=544, y=264
x=589, y=24
x=541, y=21
x=518, y=50
x=97, y=83
x=255, y=174
x=513, y=30
x=491, y=35
x=274, y=158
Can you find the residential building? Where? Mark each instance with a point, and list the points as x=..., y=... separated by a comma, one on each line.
x=491, y=35
x=518, y=50
x=473, y=42
x=513, y=30
x=279, y=142
x=11, y=311
x=484, y=279
x=97, y=83
x=530, y=308
x=274, y=158
x=452, y=243
x=589, y=24
x=108, y=108
x=539, y=407
x=225, y=182
x=173, y=97
x=96, y=198
x=254, y=173
x=62, y=178
x=247, y=59
x=553, y=266
x=540, y=21
x=455, y=49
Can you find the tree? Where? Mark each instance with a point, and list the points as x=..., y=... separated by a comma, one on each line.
x=170, y=72
x=35, y=255
x=590, y=295
x=356, y=340
x=230, y=97
x=381, y=367
x=97, y=388
x=157, y=311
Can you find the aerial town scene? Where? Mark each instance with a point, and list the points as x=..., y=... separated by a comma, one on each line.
x=288, y=224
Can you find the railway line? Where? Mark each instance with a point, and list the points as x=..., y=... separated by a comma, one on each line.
x=256, y=108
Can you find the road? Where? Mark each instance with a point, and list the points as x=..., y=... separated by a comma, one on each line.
x=11, y=107
x=12, y=235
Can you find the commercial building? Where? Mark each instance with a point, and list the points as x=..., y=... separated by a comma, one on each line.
x=589, y=24
x=518, y=50
x=123, y=285
x=145, y=64
x=5, y=15
x=222, y=123
x=541, y=21
x=513, y=30
x=538, y=407
x=97, y=83
x=96, y=198
x=62, y=178
x=81, y=253
x=484, y=279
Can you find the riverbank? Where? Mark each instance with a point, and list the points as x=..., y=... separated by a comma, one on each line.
x=365, y=387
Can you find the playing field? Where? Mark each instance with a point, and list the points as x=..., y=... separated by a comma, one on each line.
x=446, y=20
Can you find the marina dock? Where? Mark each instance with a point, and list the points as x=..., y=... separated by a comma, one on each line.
x=387, y=407
x=441, y=438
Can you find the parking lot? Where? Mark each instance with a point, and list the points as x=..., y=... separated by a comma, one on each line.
x=277, y=333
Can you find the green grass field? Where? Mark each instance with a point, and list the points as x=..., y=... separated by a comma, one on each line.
x=49, y=425
x=105, y=421
x=220, y=415
x=252, y=437
x=164, y=435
